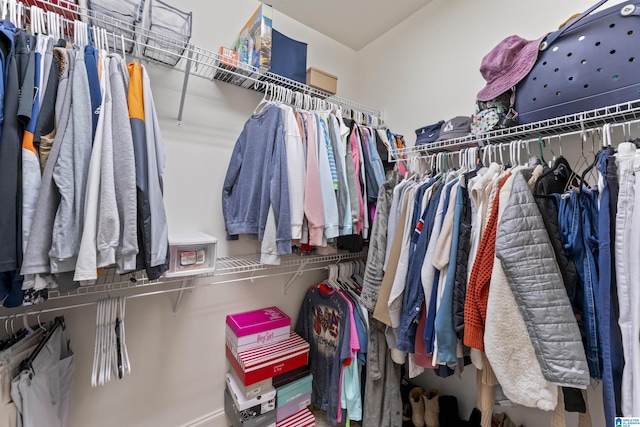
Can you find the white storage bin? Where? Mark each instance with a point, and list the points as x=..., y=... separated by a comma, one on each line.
x=172, y=31
x=191, y=254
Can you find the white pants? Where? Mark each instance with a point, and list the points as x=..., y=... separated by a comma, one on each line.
x=627, y=267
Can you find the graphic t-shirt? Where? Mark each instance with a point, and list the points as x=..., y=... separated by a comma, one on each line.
x=324, y=322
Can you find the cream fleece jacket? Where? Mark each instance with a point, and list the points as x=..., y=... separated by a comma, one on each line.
x=507, y=343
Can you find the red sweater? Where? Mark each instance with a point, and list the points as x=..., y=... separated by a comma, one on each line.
x=475, y=306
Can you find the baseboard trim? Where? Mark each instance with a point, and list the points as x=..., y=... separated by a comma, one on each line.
x=210, y=420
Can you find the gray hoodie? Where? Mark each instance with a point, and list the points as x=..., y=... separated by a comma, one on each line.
x=124, y=163
x=70, y=173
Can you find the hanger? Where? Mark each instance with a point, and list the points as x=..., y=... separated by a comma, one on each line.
x=97, y=346
x=264, y=102
x=541, y=144
x=39, y=323
x=124, y=51
x=125, y=352
x=27, y=364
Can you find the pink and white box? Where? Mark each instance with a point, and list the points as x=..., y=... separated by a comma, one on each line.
x=303, y=418
x=248, y=330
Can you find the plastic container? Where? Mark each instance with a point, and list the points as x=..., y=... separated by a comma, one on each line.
x=191, y=253
x=172, y=31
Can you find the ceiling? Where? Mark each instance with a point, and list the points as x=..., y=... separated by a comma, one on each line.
x=354, y=23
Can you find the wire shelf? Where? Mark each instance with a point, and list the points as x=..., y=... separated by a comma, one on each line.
x=251, y=263
x=161, y=49
x=626, y=111
x=111, y=281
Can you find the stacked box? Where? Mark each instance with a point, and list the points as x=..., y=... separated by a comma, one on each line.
x=260, y=345
x=293, y=397
x=303, y=418
x=249, y=330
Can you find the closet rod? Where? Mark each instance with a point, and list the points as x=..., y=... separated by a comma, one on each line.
x=164, y=291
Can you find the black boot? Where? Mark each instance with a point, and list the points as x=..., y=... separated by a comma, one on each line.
x=449, y=416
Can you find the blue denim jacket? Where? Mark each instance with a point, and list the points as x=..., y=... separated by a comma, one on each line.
x=445, y=331
x=413, y=292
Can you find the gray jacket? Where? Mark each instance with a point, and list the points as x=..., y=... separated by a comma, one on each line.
x=36, y=258
x=70, y=173
x=378, y=244
x=524, y=249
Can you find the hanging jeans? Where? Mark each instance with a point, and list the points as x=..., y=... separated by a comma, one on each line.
x=627, y=245
x=577, y=221
x=609, y=331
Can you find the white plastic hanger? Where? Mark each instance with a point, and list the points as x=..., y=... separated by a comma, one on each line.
x=125, y=352
x=97, y=347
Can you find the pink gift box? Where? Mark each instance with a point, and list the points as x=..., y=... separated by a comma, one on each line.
x=253, y=322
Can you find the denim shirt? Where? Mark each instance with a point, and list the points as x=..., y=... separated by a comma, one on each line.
x=413, y=293
x=445, y=332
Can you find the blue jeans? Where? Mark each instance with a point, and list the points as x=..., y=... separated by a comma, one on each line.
x=609, y=331
x=577, y=221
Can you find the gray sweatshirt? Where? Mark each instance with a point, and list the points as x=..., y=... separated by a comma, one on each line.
x=36, y=258
x=124, y=163
x=70, y=173
x=108, y=219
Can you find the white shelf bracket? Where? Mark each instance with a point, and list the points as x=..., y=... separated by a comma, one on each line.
x=184, y=284
x=297, y=273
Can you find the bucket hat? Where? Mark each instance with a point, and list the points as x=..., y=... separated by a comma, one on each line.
x=507, y=63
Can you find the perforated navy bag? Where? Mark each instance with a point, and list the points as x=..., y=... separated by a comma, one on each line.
x=592, y=62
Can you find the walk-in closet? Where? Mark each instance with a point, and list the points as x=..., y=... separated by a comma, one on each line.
x=355, y=213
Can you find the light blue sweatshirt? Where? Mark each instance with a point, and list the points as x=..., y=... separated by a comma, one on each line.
x=329, y=201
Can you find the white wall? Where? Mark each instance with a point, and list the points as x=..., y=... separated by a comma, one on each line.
x=178, y=363
x=427, y=69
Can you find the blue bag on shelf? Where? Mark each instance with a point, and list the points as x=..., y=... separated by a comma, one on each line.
x=590, y=63
x=288, y=57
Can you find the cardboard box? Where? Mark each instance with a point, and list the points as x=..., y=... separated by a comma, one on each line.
x=264, y=420
x=252, y=390
x=254, y=41
x=250, y=407
x=248, y=342
x=303, y=418
x=254, y=322
x=293, y=390
x=322, y=80
x=287, y=377
x=260, y=363
x=296, y=405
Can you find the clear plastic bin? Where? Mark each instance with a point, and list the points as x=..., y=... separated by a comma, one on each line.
x=191, y=253
x=172, y=31
x=128, y=13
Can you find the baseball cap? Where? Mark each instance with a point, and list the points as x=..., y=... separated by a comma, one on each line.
x=456, y=127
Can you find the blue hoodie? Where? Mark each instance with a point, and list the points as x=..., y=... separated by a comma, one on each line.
x=257, y=178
